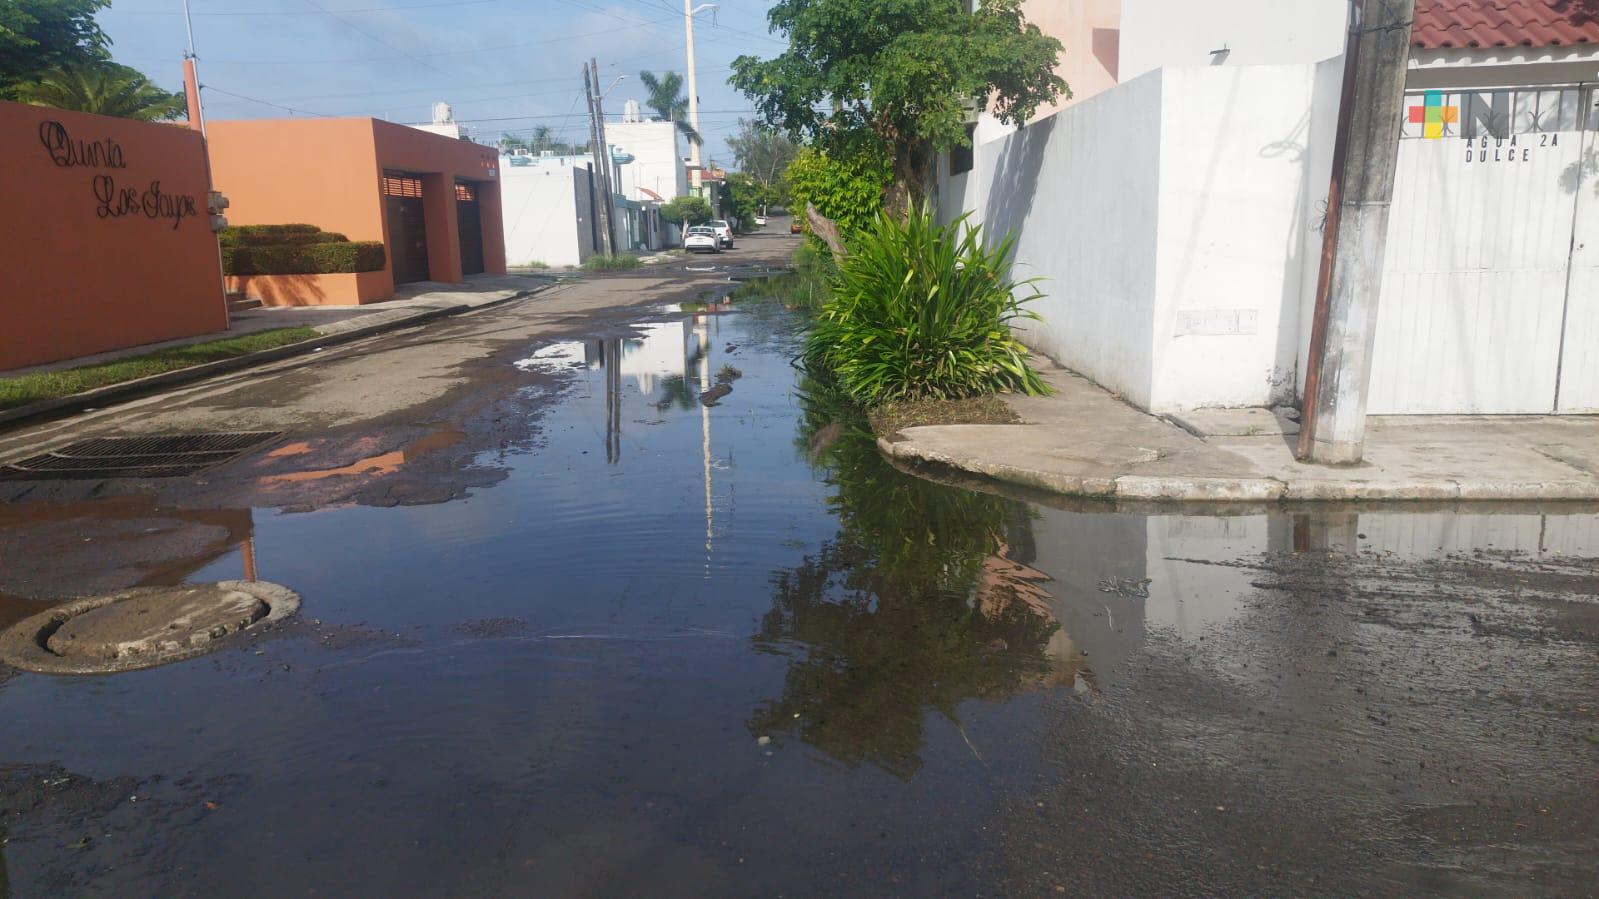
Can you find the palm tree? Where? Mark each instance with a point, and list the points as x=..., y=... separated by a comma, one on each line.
x=666, y=98
x=105, y=89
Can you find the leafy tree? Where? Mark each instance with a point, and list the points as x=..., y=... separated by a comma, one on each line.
x=666, y=98
x=689, y=210
x=746, y=197
x=763, y=154
x=39, y=36
x=105, y=89
x=845, y=188
x=511, y=143
x=902, y=71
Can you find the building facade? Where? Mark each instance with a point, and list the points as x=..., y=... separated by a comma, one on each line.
x=1173, y=206
x=434, y=202
x=107, y=240
x=657, y=172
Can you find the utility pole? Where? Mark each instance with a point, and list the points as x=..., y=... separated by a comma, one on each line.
x=602, y=209
x=1344, y=327
x=610, y=163
x=689, y=12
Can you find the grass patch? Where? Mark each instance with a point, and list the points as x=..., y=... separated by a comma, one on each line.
x=25, y=389
x=537, y=265
x=611, y=264
x=891, y=418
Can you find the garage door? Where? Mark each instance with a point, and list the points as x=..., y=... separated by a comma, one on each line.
x=1487, y=301
x=470, y=224
x=408, y=233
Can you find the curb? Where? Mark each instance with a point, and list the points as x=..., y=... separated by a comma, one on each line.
x=1178, y=489
x=128, y=389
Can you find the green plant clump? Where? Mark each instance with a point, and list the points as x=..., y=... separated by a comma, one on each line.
x=618, y=263
x=923, y=311
x=295, y=250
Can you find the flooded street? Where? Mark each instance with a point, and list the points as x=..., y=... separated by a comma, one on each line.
x=568, y=629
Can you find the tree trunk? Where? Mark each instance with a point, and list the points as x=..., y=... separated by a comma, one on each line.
x=826, y=230
x=913, y=174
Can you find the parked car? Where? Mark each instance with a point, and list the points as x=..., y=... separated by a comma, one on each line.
x=794, y=227
x=702, y=239
x=723, y=231
x=760, y=221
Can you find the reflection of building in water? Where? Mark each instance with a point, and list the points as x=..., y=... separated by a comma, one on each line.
x=54, y=552
x=663, y=351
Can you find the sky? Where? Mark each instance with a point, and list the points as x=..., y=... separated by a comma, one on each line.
x=504, y=65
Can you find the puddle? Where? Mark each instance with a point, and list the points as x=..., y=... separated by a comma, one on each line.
x=730, y=649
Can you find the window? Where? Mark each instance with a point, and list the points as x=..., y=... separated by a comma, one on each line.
x=401, y=186
x=961, y=159
x=465, y=192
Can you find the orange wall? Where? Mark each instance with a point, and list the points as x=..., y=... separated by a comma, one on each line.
x=79, y=275
x=404, y=149
x=328, y=173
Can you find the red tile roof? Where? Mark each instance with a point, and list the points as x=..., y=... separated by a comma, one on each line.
x=1447, y=24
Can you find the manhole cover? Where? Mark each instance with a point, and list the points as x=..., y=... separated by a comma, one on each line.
x=142, y=627
x=166, y=456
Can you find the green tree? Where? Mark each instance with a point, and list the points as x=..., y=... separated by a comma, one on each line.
x=666, y=98
x=104, y=89
x=905, y=72
x=511, y=143
x=763, y=154
x=39, y=36
x=746, y=197
x=688, y=210
x=844, y=187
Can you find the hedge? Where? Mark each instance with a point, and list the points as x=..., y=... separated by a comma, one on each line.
x=252, y=236
x=304, y=259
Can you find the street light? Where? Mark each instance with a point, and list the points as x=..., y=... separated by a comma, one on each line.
x=689, y=12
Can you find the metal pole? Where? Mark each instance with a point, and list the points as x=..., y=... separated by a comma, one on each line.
x=693, y=98
x=602, y=209
x=1344, y=326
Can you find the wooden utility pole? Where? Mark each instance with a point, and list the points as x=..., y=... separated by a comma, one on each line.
x=1344, y=327
x=610, y=162
x=602, y=186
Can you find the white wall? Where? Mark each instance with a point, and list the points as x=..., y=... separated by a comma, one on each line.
x=1081, y=190
x=658, y=161
x=1236, y=203
x=1170, y=218
x=1156, y=33
x=546, y=214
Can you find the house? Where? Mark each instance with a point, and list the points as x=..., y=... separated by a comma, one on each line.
x=433, y=201
x=107, y=241
x=657, y=172
x=550, y=213
x=1173, y=205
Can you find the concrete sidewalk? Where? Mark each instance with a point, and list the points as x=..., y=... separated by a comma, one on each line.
x=1083, y=441
x=413, y=304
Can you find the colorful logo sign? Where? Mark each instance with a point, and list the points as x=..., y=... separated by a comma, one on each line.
x=1433, y=115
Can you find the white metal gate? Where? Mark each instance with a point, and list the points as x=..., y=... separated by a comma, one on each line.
x=1490, y=297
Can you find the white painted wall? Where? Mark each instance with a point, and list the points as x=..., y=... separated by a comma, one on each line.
x=546, y=214
x=1156, y=33
x=1170, y=218
x=658, y=160
x=1236, y=204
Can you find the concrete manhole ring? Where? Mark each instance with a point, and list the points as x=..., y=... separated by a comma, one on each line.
x=142, y=627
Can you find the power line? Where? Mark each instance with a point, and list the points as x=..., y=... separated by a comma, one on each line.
x=285, y=12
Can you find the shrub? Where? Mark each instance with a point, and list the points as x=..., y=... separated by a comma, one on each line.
x=336, y=257
x=923, y=311
x=267, y=235
x=619, y=263
x=846, y=186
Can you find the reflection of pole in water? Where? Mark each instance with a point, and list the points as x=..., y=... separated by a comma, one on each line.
x=248, y=549
x=704, y=340
x=613, y=400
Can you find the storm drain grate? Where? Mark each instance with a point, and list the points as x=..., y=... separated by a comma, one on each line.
x=136, y=457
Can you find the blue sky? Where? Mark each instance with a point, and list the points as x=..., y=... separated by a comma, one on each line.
x=504, y=65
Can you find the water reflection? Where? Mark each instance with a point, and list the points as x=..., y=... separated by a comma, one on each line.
x=925, y=598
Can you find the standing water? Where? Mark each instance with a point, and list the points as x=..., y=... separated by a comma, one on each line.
x=668, y=646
